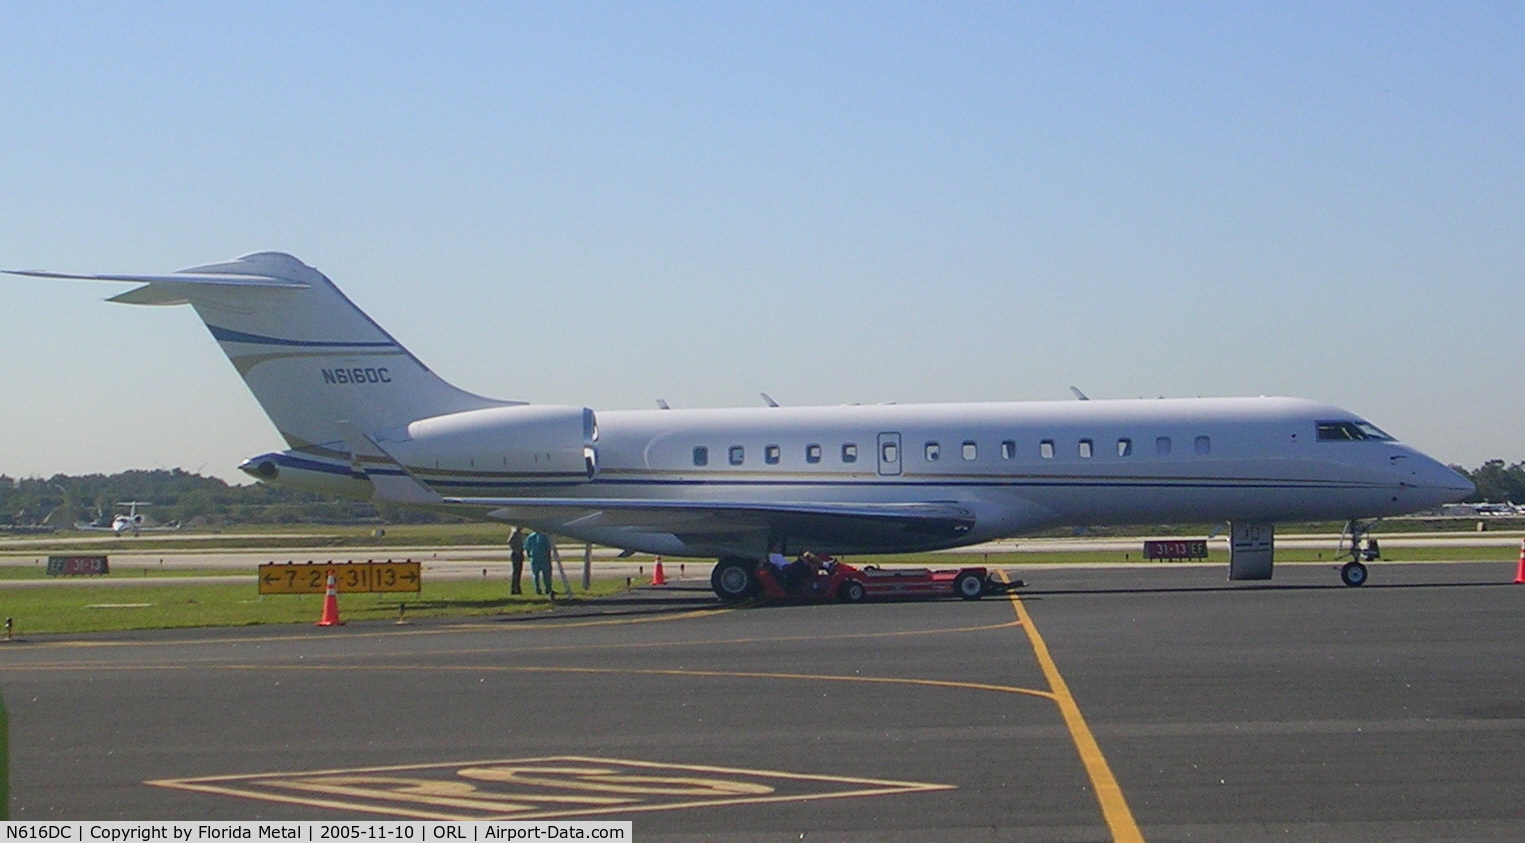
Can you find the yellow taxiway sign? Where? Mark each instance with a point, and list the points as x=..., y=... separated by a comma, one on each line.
x=312, y=577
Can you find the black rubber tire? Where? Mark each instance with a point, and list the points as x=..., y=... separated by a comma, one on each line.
x=733, y=580
x=851, y=591
x=1353, y=574
x=969, y=586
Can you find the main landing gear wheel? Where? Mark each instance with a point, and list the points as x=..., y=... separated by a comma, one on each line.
x=733, y=579
x=969, y=585
x=1353, y=574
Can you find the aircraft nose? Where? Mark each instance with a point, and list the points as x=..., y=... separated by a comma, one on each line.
x=1438, y=481
x=1460, y=485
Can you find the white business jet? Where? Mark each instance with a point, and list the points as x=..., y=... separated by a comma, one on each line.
x=128, y=522
x=366, y=419
x=132, y=521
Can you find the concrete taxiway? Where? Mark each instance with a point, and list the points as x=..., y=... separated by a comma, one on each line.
x=1141, y=703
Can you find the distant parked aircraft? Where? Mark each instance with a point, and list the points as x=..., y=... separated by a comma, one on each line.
x=131, y=522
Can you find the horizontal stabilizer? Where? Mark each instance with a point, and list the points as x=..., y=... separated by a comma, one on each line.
x=172, y=278
x=169, y=289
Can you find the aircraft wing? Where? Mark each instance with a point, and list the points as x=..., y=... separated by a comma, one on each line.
x=732, y=523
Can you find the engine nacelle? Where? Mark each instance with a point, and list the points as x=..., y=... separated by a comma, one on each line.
x=498, y=444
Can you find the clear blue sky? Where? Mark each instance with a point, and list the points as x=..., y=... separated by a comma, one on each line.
x=606, y=204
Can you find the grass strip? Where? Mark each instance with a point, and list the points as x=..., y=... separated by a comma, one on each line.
x=67, y=609
x=124, y=606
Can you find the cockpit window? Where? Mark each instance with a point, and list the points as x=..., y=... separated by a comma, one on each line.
x=1350, y=431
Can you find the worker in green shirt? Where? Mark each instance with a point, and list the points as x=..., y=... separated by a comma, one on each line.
x=537, y=546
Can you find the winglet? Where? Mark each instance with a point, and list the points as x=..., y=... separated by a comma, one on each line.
x=391, y=483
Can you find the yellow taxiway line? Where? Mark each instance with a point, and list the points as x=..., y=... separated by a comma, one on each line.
x=1114, y=807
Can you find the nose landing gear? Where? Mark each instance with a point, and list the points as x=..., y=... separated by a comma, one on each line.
x=1361, y=549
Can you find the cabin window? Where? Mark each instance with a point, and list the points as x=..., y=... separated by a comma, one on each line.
x=1008, y=450
x=701, y=455
x=772, y=454
x=970, y=450
x=738, y=455
x=812, y=453
x=1046, y=449
x=1086, y=449
x=850, y=452
x=1203, y=445
x=1162, y=446
x=1125, y=447
x=1350, y=431
x=889, y=453
x=933, y=452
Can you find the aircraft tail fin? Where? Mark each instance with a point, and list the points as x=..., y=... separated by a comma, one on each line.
x=309, y=355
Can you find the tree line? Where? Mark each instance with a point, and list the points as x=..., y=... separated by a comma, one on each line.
x=196, y=501
x=176, y=495
x=1497, y=482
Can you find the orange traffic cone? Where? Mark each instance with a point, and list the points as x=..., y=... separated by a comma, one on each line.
x=1519, y=576
x=657, y=577
x=330, y=604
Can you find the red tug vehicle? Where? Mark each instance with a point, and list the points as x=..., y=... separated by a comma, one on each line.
x=828, y=579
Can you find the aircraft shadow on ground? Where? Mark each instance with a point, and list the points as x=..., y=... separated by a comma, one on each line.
x=648, y=602
x=1261, y=587
x=612, y=607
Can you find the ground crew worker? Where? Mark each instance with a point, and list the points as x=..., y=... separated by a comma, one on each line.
x=778, y=565
x=538, y=546
x=516, y=557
